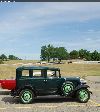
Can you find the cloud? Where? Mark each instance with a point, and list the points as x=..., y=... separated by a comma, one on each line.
x=22, y=23
x=44, y=14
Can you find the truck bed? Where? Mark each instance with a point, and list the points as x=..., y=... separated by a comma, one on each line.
x=8, y=84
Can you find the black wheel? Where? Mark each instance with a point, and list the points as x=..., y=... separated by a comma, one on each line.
x=26, y=96
x=83, y=95
x=67, y=87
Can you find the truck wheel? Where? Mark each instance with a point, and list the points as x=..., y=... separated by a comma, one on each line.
x=26, y=96
x=83, y=95
x=67, y=87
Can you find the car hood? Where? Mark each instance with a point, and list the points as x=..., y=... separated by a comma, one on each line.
x=72, y=78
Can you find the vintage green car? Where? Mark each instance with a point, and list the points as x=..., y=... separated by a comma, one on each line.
x=33, y=81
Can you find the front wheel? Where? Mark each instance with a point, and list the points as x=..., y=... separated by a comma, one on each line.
x=26, y=96
x=83, y=95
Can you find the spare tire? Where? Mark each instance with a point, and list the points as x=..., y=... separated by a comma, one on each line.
x=67, y=87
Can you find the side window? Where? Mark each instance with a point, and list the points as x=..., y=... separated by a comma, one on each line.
x=57, y=73
x=37, y=73
x=51, y=73
x=25, y=73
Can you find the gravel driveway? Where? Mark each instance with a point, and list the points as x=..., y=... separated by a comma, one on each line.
x=54, y=103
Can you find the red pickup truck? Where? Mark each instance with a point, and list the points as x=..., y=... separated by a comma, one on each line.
x=8, y=84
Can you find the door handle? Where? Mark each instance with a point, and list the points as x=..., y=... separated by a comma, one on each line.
x=45, y=80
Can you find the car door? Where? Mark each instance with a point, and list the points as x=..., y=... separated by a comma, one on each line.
x=53, y=83
x=37, y=82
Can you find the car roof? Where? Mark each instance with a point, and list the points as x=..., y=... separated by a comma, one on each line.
x=36, y=68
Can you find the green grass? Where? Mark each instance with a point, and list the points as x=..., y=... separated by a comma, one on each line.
x=82, y=70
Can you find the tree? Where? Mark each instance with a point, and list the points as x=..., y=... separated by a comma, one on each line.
x=3, y=57
x=47, y=52
x=43, y=53
x=87, y=55
x=61, y=53
x=74, y=54
x=95, y=56
x=84, y=54
x=51, y=52
x=12, y=57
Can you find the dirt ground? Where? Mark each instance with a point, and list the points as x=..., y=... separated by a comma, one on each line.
x=54, y=103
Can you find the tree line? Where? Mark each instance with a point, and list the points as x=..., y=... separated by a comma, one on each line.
x=60, y=53
x=3, y=57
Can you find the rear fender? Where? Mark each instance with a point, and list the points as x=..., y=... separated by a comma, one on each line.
x=26, y=87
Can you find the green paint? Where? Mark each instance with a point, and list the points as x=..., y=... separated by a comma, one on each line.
x=67, y=88
x=83, y=95
x=26, y=96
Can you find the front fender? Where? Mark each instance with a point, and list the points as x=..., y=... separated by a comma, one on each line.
x=81, y=86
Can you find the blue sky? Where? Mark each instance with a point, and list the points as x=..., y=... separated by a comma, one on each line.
x=25, y=27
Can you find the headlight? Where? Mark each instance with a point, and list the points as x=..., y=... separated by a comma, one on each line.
x=83, y=81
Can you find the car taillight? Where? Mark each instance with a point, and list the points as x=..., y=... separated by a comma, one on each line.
x=0, y=85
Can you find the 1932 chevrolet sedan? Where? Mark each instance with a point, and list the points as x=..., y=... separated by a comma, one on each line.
x=36, y=81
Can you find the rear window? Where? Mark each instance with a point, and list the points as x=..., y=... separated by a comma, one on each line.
x=25, y=73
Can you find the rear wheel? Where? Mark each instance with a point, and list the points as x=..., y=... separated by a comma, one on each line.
x=26, y=96
x=83, y=95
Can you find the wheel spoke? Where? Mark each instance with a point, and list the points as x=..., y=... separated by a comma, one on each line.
x=83, y=94
x=26, y=96
x=67, y=88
